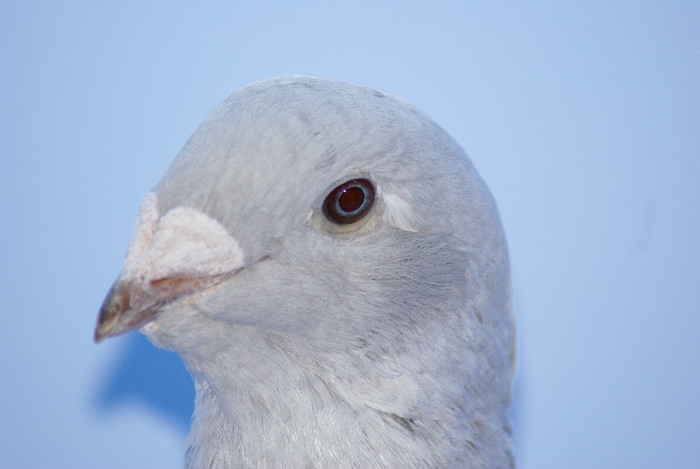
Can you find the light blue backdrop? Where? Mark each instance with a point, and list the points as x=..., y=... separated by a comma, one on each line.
x=583, y=117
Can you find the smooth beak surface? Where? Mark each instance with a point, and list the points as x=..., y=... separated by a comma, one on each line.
x=118, y=316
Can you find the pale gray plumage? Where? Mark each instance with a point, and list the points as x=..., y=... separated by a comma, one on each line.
x=384, y=343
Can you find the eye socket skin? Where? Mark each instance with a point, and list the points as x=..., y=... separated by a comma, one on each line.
x=349, y=202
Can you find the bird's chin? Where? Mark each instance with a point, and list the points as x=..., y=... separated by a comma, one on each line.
x=155, y=335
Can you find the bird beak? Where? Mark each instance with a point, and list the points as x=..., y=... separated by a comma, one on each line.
x=117, y=316
x=169, y=257
x=128, y=305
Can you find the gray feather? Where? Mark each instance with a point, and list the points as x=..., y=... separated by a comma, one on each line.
x=387, y=344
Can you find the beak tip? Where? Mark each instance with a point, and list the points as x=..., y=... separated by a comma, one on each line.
x=115, y=305
x=99, y=336
x=118, y=316
x=104, y=329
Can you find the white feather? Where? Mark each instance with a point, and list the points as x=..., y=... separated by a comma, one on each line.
x=399, y=213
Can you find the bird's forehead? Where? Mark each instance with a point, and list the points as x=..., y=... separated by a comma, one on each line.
x=269, y=151
x=282, y=142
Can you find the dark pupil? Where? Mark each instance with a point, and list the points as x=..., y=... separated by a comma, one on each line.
x=351, y=199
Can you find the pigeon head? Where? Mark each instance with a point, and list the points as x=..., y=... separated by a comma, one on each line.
x=332, y=270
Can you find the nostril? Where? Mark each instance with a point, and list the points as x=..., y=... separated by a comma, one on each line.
x=169, y=283
x=172, y=287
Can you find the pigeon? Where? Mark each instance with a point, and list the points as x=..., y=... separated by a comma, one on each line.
x=333, y=272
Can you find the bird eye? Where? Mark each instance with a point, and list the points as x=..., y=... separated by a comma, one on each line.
x=349, y=201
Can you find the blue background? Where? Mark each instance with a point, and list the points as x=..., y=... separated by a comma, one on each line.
x=583, y=117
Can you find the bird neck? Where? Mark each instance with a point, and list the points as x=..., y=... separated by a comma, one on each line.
x=265, y=405
x=271, y=411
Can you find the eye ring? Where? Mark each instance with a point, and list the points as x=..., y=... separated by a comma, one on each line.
x=349, y=202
